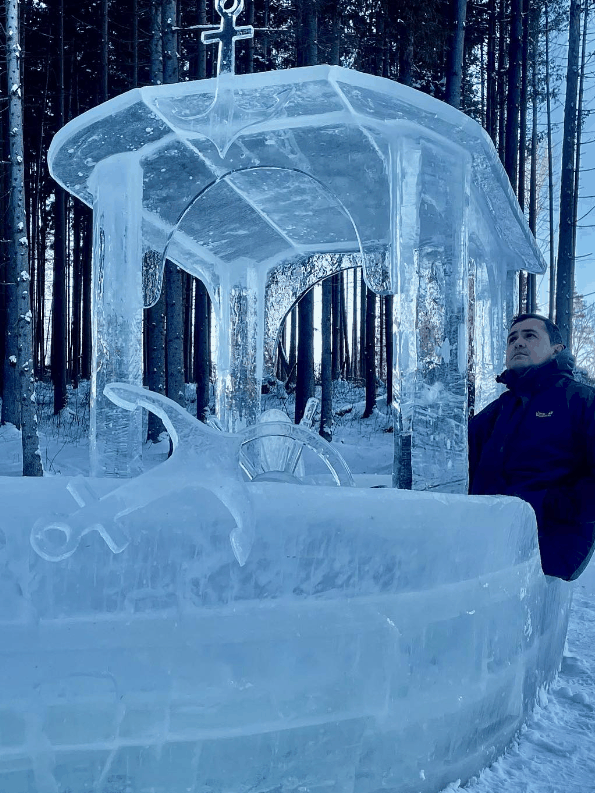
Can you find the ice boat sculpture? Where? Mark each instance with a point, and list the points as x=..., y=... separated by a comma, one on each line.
x=185, y=631
x=380, y=640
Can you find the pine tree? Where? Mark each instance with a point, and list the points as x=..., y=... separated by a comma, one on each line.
x=565, y=267
x=454, y=66
x=59, y=301
x=326, y=380
x=19, y=258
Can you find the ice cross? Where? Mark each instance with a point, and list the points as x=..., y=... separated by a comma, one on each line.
x=227, y=34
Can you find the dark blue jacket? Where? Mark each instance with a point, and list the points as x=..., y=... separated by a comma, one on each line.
x=537, y=442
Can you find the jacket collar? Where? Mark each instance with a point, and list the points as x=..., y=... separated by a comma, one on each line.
x=534, y=378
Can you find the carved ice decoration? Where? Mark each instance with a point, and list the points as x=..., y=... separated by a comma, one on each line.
x=263, y=184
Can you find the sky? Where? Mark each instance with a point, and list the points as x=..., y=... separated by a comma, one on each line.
x=585, y=263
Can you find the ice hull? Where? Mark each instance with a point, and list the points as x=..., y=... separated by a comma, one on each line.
x=373, y=640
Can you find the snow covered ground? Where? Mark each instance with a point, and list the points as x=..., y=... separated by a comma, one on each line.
x=555, y=752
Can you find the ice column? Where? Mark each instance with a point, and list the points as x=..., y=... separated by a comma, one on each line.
x=239, y=340
x=512, y=296
x=117, y=314
x=487, y=326
x=404, y=199
x=431, y=360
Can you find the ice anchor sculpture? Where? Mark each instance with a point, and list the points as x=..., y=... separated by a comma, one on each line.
x=206, y=455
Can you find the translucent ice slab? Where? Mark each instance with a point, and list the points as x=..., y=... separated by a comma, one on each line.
x=373, y=639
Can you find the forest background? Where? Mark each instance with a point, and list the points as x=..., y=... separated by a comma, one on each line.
x=491, y=58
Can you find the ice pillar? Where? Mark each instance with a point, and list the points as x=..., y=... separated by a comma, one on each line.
x=239, y=339
x=404, y=199
x=431, y=340
x=117, y=312
x=512, y=296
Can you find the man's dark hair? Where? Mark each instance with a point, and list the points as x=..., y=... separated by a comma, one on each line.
x=553, y=331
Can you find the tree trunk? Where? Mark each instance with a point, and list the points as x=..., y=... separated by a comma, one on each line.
x=201, y=51
x=491, y=76
x=87, y=255
x=511, y=147
x=354, y=334
x=170, y=41
x=103, y=55
x=405, y=54
x=565, y=274
x=249, y=43
x=155, y=373
x=174, y=322
x=388, y=318
x=59, y=301
x=154, y=317
x=502, y=61
x=202, y=310
x=579, y=130
x=19, y=258
x=362, y=325
x=326, y=379
x=381, y=330
x=370, y=353
x=306, y=32
x=174, y=325
x=293, y=324
x=266, y=48
x=524, y=101
x=336, y=326
x=4, y=191
x=524, y=297
x=304, y=388
x=550, y=170
x=534, y=36
x=454, y=60
x=188, y=328
x=345, y=365
x=134, y=76
x=335, y=27
x=10, y=380
x=156, y=45
x=77, y=276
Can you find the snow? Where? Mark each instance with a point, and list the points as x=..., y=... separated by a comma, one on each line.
x=554, y=751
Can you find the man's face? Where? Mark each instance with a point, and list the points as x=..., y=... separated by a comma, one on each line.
x=529, y=345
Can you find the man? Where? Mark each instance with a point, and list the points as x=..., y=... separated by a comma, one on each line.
x=537, y=442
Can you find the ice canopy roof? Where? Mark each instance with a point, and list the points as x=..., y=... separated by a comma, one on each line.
x=299, y=161
x=263, y=184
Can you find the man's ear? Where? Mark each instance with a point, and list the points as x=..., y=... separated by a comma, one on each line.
x=558, y=349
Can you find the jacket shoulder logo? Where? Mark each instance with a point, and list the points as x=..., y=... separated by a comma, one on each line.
x=541, y=415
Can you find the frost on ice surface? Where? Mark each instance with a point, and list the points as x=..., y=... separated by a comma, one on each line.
x=209, y=456
x=335, y=639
